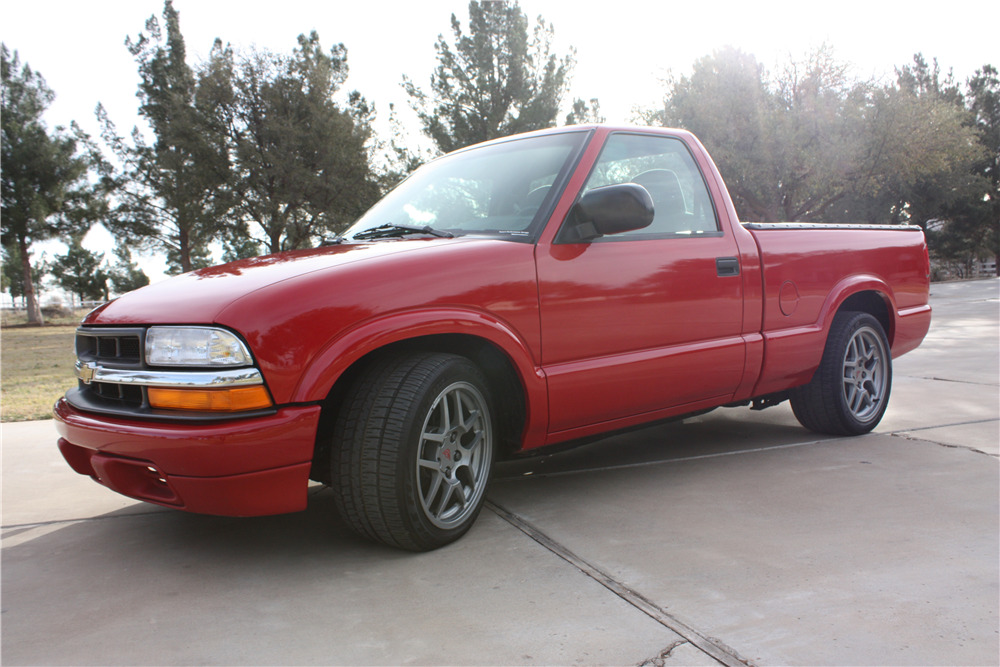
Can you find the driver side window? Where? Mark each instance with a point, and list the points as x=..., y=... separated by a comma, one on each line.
x=665, y=167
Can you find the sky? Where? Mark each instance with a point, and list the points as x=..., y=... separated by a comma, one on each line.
x=624, y=49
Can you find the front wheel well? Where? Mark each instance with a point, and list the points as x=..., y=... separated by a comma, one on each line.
x=505, y=386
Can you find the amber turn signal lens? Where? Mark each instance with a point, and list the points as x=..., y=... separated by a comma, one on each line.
x=210, y=400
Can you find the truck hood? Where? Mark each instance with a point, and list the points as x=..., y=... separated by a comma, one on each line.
x=199, y=296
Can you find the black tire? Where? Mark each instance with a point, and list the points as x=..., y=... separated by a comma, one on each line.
x=849, y=393
x=412, y=450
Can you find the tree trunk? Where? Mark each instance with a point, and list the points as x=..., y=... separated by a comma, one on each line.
x=30, y=298
x=275, y=240
x=185, y=248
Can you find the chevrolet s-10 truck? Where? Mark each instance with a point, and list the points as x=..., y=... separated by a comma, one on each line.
x=529, y=291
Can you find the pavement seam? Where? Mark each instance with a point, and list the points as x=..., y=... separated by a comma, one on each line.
x=709, y=645
x=939, y=379
x=913, y=438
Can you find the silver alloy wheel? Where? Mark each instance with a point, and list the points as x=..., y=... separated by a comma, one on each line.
x=865, y=374
x=454, y=456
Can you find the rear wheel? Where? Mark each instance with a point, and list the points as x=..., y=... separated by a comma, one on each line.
x=849, y=393
x=413, y=450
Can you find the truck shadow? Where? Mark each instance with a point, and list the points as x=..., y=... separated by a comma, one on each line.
x=721, y=432
x=169, y=540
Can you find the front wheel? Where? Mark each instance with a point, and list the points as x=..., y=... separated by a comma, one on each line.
x=413, y=450
x=849, y=393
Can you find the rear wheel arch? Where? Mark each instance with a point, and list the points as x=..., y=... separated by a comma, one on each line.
x=876, y=304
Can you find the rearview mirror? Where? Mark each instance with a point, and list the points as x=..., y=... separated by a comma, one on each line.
x=612, y=209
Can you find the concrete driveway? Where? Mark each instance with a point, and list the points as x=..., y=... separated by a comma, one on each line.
x=735, y=537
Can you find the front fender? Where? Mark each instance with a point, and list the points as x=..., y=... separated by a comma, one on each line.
x=349, y=346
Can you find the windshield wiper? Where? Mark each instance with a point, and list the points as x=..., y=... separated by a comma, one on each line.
x=391, y=229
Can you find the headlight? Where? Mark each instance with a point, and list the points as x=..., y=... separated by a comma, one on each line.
x=194, y=346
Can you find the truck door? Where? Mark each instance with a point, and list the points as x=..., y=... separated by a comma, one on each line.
x=646, y=320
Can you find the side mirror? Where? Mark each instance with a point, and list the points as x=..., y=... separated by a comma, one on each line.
x=612, y=209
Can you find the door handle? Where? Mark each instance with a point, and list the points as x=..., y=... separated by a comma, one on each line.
x=727, y=266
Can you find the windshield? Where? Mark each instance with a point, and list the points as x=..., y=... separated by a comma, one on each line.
x=495, y=190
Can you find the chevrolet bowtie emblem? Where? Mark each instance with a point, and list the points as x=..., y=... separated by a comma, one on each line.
x=85, y=371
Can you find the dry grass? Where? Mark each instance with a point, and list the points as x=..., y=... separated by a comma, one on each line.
x=37, y=367
x=52, y=317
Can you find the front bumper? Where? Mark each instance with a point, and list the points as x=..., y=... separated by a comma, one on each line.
x=244, y=467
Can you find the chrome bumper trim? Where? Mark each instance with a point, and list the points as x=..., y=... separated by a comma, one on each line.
x=234, y=377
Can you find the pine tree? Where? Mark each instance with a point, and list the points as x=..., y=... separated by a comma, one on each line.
x=301, y=163
x=984, y=102
x=46, y=192
x=173, y=193
x=493, y=81
x=79, y=272
x=125, y=275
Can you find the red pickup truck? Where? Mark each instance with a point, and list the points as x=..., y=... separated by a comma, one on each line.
x=532, y=290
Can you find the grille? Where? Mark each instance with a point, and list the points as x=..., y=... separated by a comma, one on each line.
x=118, y=392
x=112, y=348
x=122, y=348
